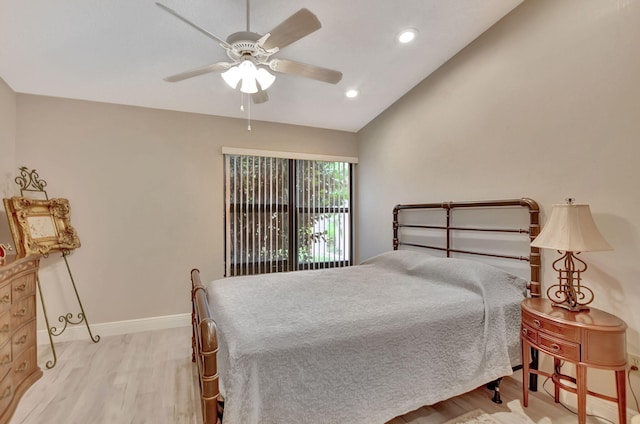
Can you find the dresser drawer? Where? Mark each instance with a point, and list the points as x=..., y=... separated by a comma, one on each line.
x=557, y=329
x=561, y=348
x=5, y=297
x=6, y=392
x=5, y=359
x=24, y=365
x=5, y=327
x=23, y=286
x=22, y=311
x=23, y=338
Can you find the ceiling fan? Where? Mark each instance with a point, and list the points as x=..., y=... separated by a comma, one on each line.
x=250, y=55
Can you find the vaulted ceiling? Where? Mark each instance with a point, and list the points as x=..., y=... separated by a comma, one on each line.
x=120, y=51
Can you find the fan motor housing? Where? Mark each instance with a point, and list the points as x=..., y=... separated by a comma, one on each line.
x=244, y=43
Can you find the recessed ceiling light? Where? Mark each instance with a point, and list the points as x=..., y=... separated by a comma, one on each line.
x=352, y=93
x=406, y=36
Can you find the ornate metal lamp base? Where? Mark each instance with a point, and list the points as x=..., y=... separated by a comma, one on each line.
x=570, y=293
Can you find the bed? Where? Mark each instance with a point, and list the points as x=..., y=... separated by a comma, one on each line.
x=366, y=343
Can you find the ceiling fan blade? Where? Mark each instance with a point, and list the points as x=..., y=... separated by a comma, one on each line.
x=296, y=26
x=188, y=22
x=198, y=71
x=304, y=70
x=260, y=97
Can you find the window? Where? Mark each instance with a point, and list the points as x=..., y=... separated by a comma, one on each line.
x=286, y=214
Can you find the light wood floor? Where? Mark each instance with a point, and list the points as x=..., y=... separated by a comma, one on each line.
x=149, y=378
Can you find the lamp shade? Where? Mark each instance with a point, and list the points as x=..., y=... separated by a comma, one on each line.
x=571, y=228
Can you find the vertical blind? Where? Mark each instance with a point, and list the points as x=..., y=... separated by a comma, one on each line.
x=286, y=214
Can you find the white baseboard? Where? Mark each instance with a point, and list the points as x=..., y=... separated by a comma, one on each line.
x=79, y=332
x=596, y=406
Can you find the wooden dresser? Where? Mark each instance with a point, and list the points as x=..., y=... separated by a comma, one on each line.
x=18, y=359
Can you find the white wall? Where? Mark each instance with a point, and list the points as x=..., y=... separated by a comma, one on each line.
x=146, y=189
x=546, y=104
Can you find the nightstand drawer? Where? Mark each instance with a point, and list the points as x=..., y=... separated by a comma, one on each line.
x=557, y=329
x=529, y=334
x=560, y=348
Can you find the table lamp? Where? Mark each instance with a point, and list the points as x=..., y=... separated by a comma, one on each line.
x=570, y=229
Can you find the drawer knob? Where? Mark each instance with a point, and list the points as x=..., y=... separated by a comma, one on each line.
x=6, y=298
x=525, y=331
x=23, y=366
x=6, y=393
x=22, y=340
x=537, y=323
x=22, y=312
x=4, y=328
x=6, y=360
x=21, y=287
x=554, y=347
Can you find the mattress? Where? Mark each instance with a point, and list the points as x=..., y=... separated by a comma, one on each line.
x=362, y=344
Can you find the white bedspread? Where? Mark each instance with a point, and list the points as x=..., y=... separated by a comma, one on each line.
x=362, y=344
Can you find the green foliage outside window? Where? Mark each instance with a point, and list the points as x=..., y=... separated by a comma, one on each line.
x=260, y=204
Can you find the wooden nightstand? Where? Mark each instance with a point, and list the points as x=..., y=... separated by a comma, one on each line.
x=590, y=338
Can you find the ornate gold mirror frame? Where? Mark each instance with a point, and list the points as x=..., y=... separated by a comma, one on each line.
x=41, y=226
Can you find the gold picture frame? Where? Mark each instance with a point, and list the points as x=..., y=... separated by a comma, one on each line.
x=40, y=226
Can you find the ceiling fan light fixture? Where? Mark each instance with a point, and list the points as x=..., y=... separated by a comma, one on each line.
x=265, y=78
x=250, y=75
x=249, y=85
x=232, y=76
x=250, y=55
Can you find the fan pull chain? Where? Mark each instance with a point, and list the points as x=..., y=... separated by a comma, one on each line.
x=248, y=100
x=249, y=114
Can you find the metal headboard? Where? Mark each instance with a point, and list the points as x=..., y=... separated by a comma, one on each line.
x=449, y=207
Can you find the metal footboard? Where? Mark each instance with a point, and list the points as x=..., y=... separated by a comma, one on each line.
x=204, y=343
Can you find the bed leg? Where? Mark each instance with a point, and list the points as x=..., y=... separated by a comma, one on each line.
x=220, y=409
x=495, y=386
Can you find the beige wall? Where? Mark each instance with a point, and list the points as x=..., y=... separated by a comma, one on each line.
x=7, y=152
x=146, y=189
x=546, y=104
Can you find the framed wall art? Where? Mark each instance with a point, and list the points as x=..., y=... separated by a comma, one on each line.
x=40, y=226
